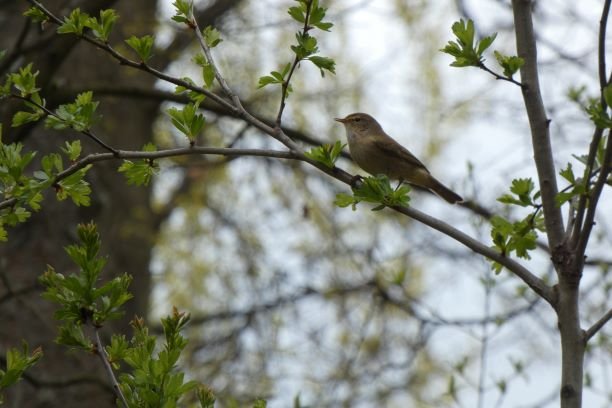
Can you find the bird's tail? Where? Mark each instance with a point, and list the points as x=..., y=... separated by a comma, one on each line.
x=444, y=192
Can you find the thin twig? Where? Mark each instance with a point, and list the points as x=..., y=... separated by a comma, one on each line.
x=49, y=112
x=589, y=220
x=286, y=82
x=500, y=77
x=109, y=369
x=598, y=133
x=224, y=85
x=597, y=325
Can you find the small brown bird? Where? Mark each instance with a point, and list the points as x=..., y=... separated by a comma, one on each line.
x=378, y=153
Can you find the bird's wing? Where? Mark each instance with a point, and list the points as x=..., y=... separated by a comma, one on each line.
x=400, y=152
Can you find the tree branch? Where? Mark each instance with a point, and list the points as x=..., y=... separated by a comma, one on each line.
x=109, y=370
x=224, y=85
x=535, y=283
x=589, y=220
x=597, y=326
x=124, y=154
x=538, y=122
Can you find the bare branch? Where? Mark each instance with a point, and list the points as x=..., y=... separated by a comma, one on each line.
x=296, y=61
x=109, y=370
x=499, y=77
x=597, y=326
x=589, y=220
x=224, y=85
x=535, y=283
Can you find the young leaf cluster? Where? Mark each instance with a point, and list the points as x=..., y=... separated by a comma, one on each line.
x=469, y=52
x=326, y=154
x=80, y=299
x=577, y=186
x=142, y=171
x=17, y=184
x=142, y=45
x=79, y=115
x=17, y=361
x=187, y=120
x=153, y=379
x=310, y=15
x=517, y=237
x=276, y=77
x=78, y=21
x=150, y=376
x=375, y=190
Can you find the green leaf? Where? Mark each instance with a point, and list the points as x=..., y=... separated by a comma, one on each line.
x=466, y=50
x=208, y=72
x=103, y=26
x=71, y=335
x=74, y=23
x=212, y=36
x=598, y=115
x=21, y=118
x=72, y=150
x=206, y=397
x=75, y=187
x=510, y=64
x=142, y=45
x=275, y=77
x=326, y=154
x=25, y=81
x=79, y=115
x=522, y=188
x=485, y=43
x=17, y=362
x=196, y=97
x=298, y=14
x=36, y=14
x=376, y=190
x=607, y=94
x=141, y=172
x=187, y=120
x=260, y=403
x=324, y=63
x=183, y=10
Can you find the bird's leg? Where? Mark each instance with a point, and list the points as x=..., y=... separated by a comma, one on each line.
x=356, y=180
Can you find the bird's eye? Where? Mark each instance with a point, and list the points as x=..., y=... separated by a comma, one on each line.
x=357, y=119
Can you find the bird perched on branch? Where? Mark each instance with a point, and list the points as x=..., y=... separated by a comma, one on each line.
x=378, y=153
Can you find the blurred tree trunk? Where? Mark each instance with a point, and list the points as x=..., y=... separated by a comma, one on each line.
x=122, y=212
x=125, y=220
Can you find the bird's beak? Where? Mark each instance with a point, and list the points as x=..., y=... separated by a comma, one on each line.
x=340, y=120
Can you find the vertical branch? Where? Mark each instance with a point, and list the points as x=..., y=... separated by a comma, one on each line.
x=589, y=220
x=577, y=232
x=296, y=61
x=538, y=122
x=567, y=291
